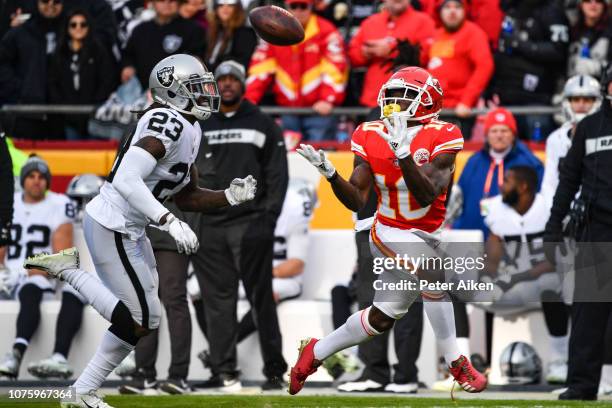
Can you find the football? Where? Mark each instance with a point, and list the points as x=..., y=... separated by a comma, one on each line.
x=276, y=25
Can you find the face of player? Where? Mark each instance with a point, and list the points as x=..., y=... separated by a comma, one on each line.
x=500, y=137
x=581, y=104
x=34, y=186
x=78, y=27
x=509, y=190
x=165, y=8
x=50, y=8
x=396, y=7
x=225, y=12
x=452, y=15
x=592, y=9
x=230, y=90
x=301, y=11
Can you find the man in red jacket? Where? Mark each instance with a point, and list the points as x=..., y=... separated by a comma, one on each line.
x=460, y=58
x=374, y=45
x=312, y=73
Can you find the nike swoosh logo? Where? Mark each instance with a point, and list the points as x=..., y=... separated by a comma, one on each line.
x=149, y=384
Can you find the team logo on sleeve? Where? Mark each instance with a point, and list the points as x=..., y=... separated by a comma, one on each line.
x=164, y=76
x=421, y=156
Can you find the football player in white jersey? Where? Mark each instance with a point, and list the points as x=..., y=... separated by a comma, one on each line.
x=581, y=97
x=516, y=219
x=42, y=222
x=155, y=162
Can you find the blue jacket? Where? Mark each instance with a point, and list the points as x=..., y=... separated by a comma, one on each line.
x=473, y=178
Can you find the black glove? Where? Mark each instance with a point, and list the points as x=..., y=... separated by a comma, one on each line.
x=553, y=238
x=5, y=233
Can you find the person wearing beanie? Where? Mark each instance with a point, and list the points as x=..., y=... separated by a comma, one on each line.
x=42, y=222
x=240, y=139
x=483, y=173
x=461, y=60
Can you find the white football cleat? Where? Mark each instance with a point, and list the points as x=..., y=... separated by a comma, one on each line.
x=407, y=388
x=90, y=400
x=557, y=372
x=361, y=385
x=9, y=366
x=128, y=366
x=55, y=366
x=54, y=264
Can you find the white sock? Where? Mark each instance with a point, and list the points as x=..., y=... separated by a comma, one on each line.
x=110, y=353
x=93, y=290
x=442, y=318
x=606, y=376
x=463, y=343
x=356, y=330
x=559, y=348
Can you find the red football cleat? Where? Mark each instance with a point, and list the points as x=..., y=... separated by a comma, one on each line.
x=467, y=376
x=305, y=365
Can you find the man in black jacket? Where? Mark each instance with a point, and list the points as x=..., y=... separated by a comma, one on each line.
x=531, y=56
x=24, y=56
x=588, y=165
x=7, y=185
x=237, y=243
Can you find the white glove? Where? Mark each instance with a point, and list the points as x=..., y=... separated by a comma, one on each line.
x=241, y=190
x=8, y=281
x=317, y=159
x=399, y=136
x=186, y=240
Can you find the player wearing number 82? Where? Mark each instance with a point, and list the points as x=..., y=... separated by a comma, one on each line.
x=155, y=162
x=408, y=157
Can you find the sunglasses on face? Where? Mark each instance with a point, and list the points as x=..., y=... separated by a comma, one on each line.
x=166, y=1
x=82, y=24
x=299, y=6
x=594, y=1
x=51, y=1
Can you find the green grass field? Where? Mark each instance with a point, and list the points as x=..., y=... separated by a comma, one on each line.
x=257, y=401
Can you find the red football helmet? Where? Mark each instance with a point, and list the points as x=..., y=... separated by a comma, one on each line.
x=413, y=93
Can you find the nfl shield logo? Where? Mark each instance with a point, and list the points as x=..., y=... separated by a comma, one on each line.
x=164, y=76
x=171, y=43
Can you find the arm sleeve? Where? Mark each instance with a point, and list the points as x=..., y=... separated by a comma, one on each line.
x=482, y=61
x=136, y=165
x=570, y=178
x=334, y=69
x=275, y=171
x=6, y=184
x=261, y=72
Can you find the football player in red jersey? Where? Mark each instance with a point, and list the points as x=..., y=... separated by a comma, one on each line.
x=409, y=158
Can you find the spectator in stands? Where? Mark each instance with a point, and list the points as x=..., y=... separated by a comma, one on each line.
x=194, y=10
x=375, y=44
x=311, y=74
x=80, y=71
x=228, y=36
x=590, y=48
x=530, y=59
x=168, y=33
x=483, y=173
x=24, y=52
x=348, y=15
x=461, y=60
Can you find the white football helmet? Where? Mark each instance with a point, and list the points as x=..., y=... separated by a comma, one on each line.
x=183, y=83
x=580, y=85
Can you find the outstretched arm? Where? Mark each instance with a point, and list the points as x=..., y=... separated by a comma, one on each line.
x=196, y=199
x=428, y=181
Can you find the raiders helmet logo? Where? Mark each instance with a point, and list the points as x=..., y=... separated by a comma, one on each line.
x=421, y=156
x=164, y=76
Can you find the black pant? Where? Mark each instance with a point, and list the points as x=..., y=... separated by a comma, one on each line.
x=172, y=270
x=407, y=331
x=228, y=254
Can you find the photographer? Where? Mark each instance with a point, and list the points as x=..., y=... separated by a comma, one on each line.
x=588, y=165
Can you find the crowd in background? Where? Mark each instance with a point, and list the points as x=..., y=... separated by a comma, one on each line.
x=485, y=54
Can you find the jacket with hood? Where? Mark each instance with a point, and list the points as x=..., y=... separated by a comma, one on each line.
x=248, y=142
x=473, y=181
x=24, y=55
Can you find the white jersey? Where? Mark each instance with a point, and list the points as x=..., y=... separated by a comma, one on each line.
x=182, y=142
x=34, y=225
x=291, y=233
x=557, y=146
x=522, y=234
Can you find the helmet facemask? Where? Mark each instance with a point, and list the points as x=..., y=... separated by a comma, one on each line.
x=397, y=96
x=201, y=95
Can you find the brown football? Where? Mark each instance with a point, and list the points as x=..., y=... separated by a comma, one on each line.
x=276, y=25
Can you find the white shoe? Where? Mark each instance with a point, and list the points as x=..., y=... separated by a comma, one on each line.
x=361, y=386
x=9, y=366
x=557, y=372
x=446, y=385
x=55, y=366
x=408, y=388
x=90, y=400
x=604, y=390
x=54, y=264
x=558, y=391
x=128, y=366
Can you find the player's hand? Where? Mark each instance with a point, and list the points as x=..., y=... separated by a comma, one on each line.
x=318, y=159
x=399, y=135
x=553, y=239
x=241, y=190
x=8, y=281
x=186, y=240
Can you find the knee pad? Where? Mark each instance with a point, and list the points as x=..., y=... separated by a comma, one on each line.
x=123, y=325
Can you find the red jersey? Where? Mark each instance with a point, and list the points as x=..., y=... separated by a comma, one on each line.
x=396, y=206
